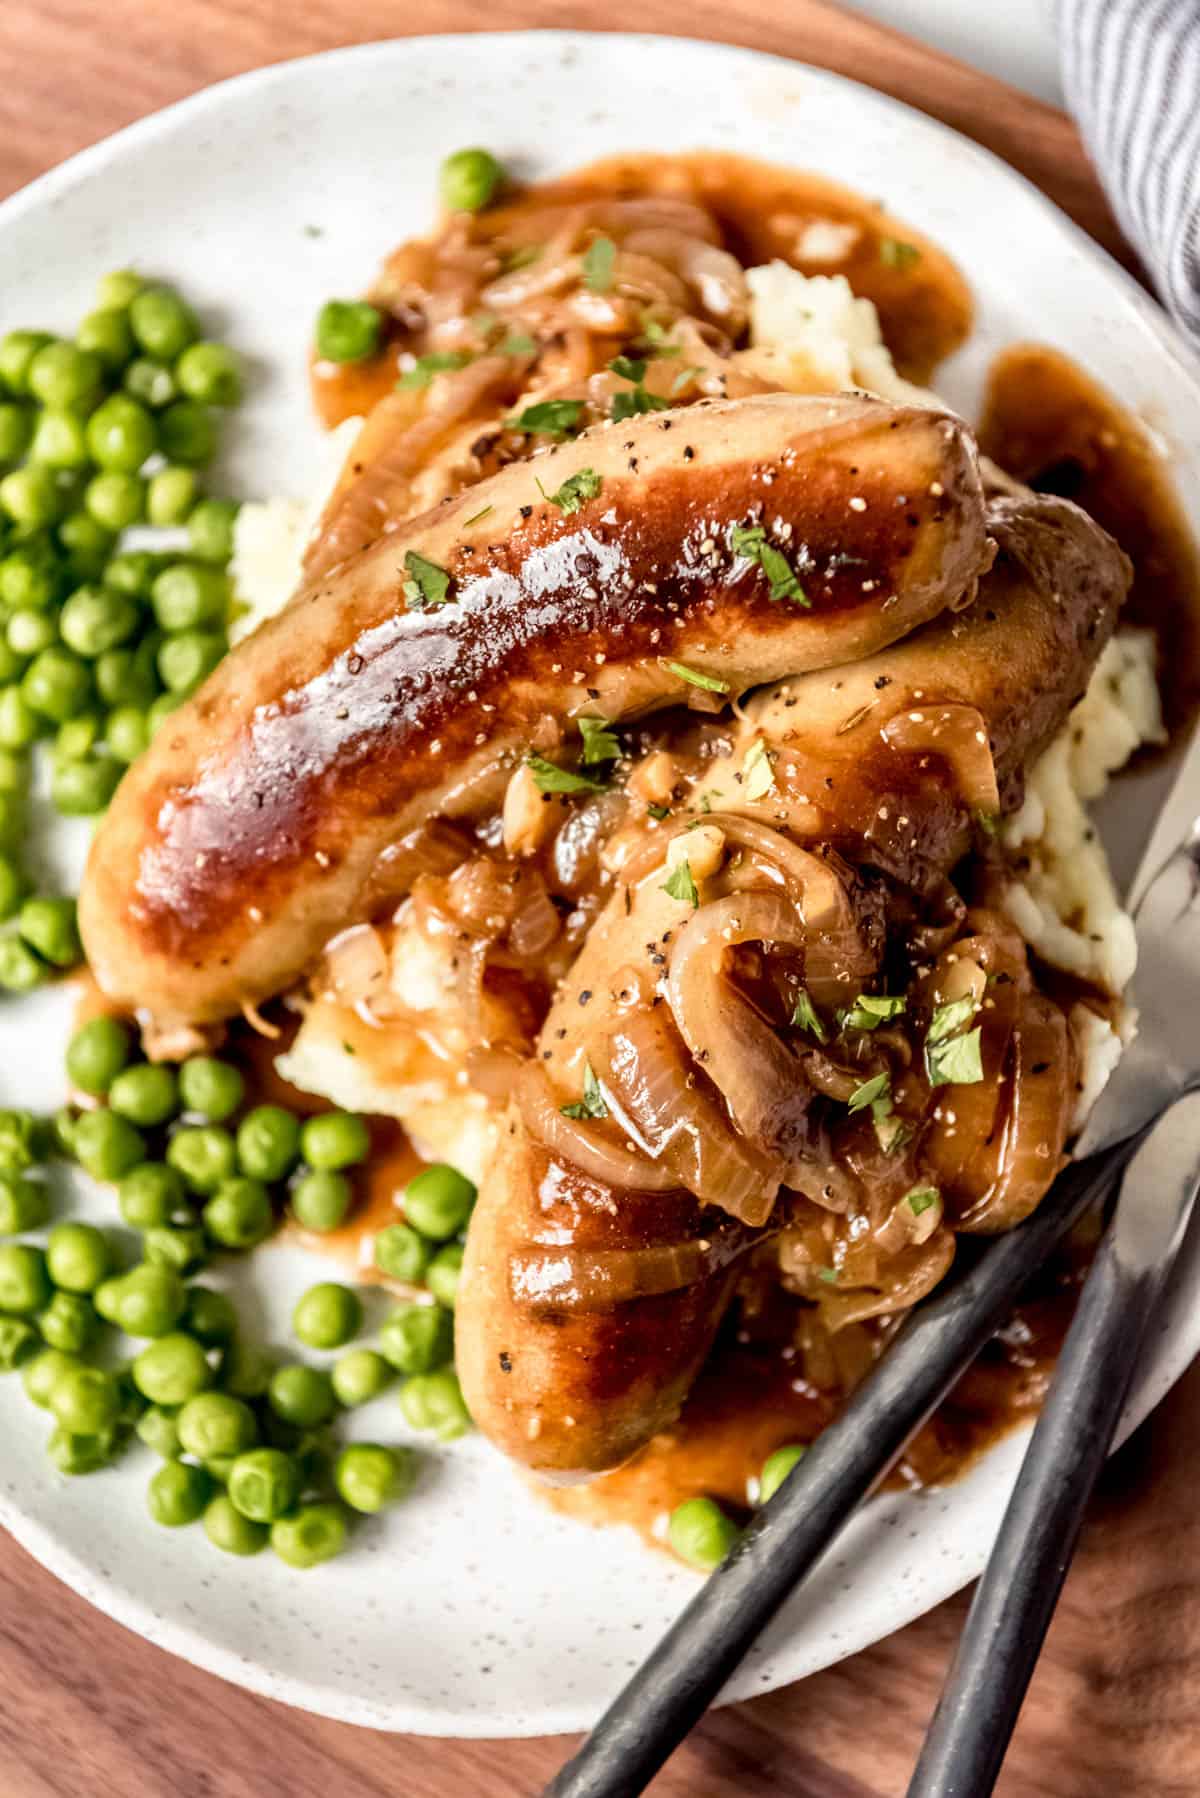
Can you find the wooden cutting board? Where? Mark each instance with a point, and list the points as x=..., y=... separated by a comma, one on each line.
x=1115, y=1706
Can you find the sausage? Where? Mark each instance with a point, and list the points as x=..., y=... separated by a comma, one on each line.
x=565, y=1390
x=260, y=821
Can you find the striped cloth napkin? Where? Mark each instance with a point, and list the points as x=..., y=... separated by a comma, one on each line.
x=1131, y=73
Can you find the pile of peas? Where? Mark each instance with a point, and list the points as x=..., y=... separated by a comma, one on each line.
x=99, y=641
x=246, y=1445
x=702, y=1533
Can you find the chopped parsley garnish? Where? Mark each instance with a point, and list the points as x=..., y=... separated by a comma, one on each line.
x=598, y=262
x=634, y=400
x=427, y=584
x=828, y=1274
x=948, y=1018
x=750, y=541
x=550, y=778
x=956, y=1061
x=878, y=1087
x=484, y=322
x=921, y=1198
x=592, y=1103
x=437, y=362
x=685, y=377
x=517, y=343
x=552, y=418
x=630, y=368
x=521, y=257
x=658, y=811
x=681, y=885
x=656, y=336
x=708, y=681
x=988, y=822
x=599, y=742
x=476, y=516
x=872, y=1009
x=584, y=485
x=804, y=1016
x=897, y=254
x=349, y=1049
x=758, y=776
x=891, y=1132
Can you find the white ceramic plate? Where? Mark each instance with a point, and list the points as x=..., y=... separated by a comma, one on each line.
x=473, y=1610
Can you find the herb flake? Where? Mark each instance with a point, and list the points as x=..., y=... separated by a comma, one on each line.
x=870, y=1092
x=921, y=1199
x=872, y=1009
x=437, y=362
x=550, y=778
x=551, y=418
x=804, y=1017
x=427, y=584
x=708, y=681
x=599, y=741
x=592, y=1103
x=598, y=261
x=758, y=776
x=680, y=884
x=578, y=487
x=948, y=1018
x=751, y=542
x=895, y=253
x=956, y=1061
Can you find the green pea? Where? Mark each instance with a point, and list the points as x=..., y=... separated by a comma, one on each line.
x=216, y=1423
x=335, y=1140
x=126, y=733
x=124, y=679
x=82, y=789
x=187, y=596
x=41, y=1375
x=15, y=772
x=360, y=1376
x=264, y=1484
x=21, y=971
x=24, y=1283
x=146, y=1095
x=12, y=819
x=18, y=1340
x=172, y=1370
x=16, y=429
x=776, y=1468
x=57, y=685
x=147, y=1301
x=62, y=375
x=27, y=633
x=369, y=1477
x=151, y=1196
x=438, y=1202
x=701, y=1534
x=161, y=710
x=247, y=1370
x=24, y=1204
x=178, y=1493
x=188, y=434
x=229, y=1531
x=69, y=1322
x=107, y=1298
x=418, y=1339
x=348, y=330
x=152, y=383
x=402, y=1254
x=204, y=1155
x=96, y=1054
x=85, y=1401
x=320, y=1201
x=17, y=351
x=107, y=334
x=240, y=1214
x=181, y=1246
x=13, y=887
x=187, y=658
x=73, y=1454
x=468, y=179
x=163, y=324
x=171, y=496
x=131, y=572
x=220, y=1466
x=115, y=499
x=87, y=545
x=121, y=433
x=107, y=1146
x=60, y=440
x=434, y=1402
x=31, y=576
x=75, y=740
x=158, y=1429
x=327, y=1315
x=117, y=290
x=78, y=1257
x=210, y=372
x=444, y=1273
x=268, y=1140
x=210, y=529
x=19, y=725
x=210, y=1316
x=32, y=497
x=302, y=1396
x=214, y=1089
x=49, y=926
x=312, y=1534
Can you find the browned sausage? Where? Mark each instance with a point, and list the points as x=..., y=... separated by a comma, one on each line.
x=259, y=823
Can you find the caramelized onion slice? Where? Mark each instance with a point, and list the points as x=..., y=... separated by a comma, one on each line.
x=958, y=734
x=1029, y=1148
x=582, y=1144
x=575, y=1279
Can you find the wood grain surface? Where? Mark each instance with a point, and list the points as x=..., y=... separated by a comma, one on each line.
x=86, y=1707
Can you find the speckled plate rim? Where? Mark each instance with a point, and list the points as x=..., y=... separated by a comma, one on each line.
x=988, y=1484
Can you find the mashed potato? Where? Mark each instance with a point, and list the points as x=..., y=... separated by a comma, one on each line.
x=809, y=334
